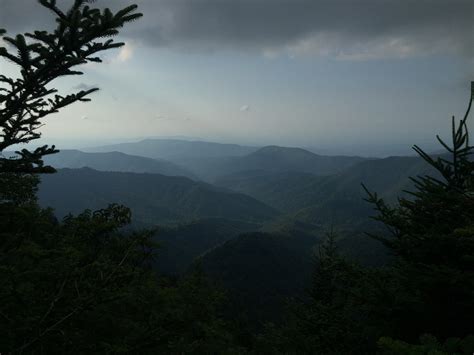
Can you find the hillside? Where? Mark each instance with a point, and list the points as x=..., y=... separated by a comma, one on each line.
x=287, y=190
x=270, y=159
x=181, y=244
x=153, y=198
x=284, y=159
x=331, y=199
x=340, y=198
x=261, y=270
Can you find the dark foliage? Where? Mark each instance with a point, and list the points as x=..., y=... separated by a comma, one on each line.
x=432, y=236
x=81, y=286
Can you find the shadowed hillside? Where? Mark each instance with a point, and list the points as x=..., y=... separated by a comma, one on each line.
x=180, y=245
x=153, y=198
x=330, y=199
x=274, y=267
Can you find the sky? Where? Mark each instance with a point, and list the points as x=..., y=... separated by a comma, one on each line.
x=344, y=76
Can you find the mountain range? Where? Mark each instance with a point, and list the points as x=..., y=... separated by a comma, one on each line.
x=210, y=161
x=176, y=149
x=255, y=228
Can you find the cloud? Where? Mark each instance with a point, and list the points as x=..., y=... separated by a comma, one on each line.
x=24, y=15
x=346, y=29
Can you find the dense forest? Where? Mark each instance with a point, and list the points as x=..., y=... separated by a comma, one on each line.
x=173, y=246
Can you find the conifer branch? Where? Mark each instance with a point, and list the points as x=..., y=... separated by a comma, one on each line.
x=43, y=57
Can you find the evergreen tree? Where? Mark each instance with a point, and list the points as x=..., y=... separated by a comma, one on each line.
x=81, y=34
x=432, y=238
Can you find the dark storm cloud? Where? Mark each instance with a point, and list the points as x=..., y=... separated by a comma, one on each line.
x=22, y=15
x=398, y=25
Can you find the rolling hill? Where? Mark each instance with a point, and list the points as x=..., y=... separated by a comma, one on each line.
x=153, y=198
x=329, y=199
x=272, y=159
x=284, y=159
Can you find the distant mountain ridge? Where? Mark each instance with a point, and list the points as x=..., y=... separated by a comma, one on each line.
x=176, y=150
x=210, y=161
x=112, y=161
x=273, y=159
x=287, y=159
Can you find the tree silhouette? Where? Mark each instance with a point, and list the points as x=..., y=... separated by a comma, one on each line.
x=80, y=35
x=432, y=238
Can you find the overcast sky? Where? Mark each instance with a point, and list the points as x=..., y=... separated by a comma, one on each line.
x=349, y=73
